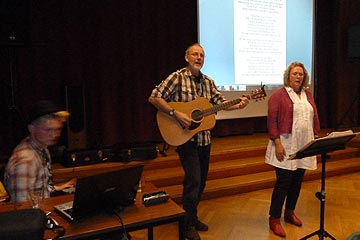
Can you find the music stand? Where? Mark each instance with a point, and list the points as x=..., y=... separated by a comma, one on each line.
x=332, y=142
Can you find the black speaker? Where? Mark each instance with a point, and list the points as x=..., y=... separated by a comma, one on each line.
x=14, y=22
x=24, y=224
x=76, y=126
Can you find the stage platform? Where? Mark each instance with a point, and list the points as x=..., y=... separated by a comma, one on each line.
x=237, y=166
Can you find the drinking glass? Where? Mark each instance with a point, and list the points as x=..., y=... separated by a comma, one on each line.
x=36, y=196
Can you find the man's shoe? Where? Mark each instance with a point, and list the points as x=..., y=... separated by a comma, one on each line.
x=292, y=218
x=191, y=233
x=200, y=226
x=276, y=227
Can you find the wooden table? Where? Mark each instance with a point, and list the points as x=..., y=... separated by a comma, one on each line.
x=134, y=217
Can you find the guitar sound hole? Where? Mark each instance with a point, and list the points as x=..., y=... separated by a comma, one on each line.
x=197, y=115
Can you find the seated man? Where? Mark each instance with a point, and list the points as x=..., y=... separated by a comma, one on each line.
x=29, y=166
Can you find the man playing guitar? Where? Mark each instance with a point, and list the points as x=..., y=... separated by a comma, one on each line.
x=183, y=86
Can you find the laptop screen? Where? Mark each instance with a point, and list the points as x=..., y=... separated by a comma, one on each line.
x=106, y=191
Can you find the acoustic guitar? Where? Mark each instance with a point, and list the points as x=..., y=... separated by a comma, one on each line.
x=202, y=113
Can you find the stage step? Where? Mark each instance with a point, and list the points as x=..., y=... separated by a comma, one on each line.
x=240, y=170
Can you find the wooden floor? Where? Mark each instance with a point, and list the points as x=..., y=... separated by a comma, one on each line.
x=245, y=216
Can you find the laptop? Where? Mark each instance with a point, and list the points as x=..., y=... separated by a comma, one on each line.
x=102, y=192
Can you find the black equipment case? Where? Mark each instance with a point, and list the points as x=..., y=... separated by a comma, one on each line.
x=117, y=153
x=82, y=157
x=132, y=152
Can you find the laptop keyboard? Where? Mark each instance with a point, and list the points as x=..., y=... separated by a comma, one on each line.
x=69, y=211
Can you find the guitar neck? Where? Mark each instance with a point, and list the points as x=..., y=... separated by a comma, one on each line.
x=220, y=107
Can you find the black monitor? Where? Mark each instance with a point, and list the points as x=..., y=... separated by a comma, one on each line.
x=106, y=191
x=353, y=41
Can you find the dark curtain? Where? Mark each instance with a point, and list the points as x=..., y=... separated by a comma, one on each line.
x=115, y=50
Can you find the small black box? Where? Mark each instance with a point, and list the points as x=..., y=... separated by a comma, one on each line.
x=150, y=199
